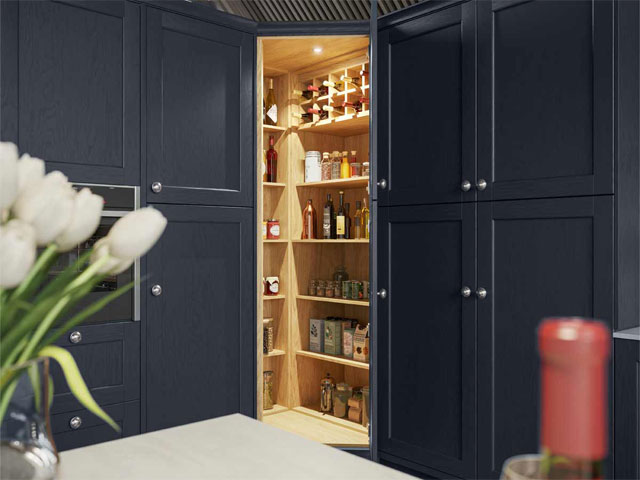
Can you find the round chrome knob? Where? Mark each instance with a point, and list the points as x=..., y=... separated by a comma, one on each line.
x=382, y=184
x=156, y=290
x=465, y=186
x=75, y=337
x=481, y=293
x=75, y=422
x=156, y=187
x=382, y=293
x=482, y=184
x=465, y=292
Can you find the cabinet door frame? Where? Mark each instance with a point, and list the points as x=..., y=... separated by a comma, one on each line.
x=601, y=179
x=130, y=13
x=465, y=213
x=424, y=18
x=600, y=209
x=156, y=21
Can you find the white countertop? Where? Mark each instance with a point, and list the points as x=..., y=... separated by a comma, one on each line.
x=628, y=334
x=231, y=447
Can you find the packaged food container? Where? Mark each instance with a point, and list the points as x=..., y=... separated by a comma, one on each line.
x=365, y=406
x=316, y=335
x=329, y=290
x=340, y=399
x=273, y=229
x=271, y=286
x=346, y=289
x=264, y=229
x=267, y=335
x=325, y=166
x=267, y=390
x=356, y=169
x=322, y=285
x=313, y=288
x=312, y=168
x=365, y=169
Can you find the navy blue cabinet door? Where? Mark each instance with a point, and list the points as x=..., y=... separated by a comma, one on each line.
x=536, y=258
x=545, y=98
x=200, y=114
x=201, y=329
x=71, y=86
x=426, y=108
x=627, y=409
x=426, y=336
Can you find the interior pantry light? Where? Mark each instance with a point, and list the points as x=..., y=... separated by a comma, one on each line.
x=317, y=49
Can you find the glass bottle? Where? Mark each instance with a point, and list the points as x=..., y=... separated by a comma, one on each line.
x=309, y=222
x=357, y=221
x=271, y=108
x=264, y=166
x=574, y=356
x=340, y=219
x=345, y=168
x=365, y=218
x=347, y=220
x=325, y=167
x=328, y=227
x=272, y=162
x=335, y=166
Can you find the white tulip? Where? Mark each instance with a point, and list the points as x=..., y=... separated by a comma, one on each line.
x=8, y=174
x=17, y=252
x=47, y=205
x=30, y=171
x=135, y=233
x=113, y=265
x=85, y=220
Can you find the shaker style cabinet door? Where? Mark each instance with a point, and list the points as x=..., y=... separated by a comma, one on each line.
x=545, y=98
x=426, y=108
x=201, y=316
x=627, y=409
x=70, y=86
x=536, y=259
x=200, y=115
x=426, y=337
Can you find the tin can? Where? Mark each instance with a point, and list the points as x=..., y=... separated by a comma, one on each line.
x=264, y=229
x=356, y=290
x=346, y=289
x=365, y=289
x=273, y=229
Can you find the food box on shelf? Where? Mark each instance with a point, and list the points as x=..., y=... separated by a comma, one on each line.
x=316, y=335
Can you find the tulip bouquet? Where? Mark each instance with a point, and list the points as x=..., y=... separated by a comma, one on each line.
x=44, y=211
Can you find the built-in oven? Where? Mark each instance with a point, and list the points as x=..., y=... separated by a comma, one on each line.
x=118, y=201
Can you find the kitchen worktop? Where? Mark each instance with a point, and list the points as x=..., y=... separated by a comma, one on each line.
x=234, y=446
x=628, y=334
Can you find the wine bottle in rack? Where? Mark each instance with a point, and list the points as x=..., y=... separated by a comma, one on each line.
x=336, y=85
x=329, y=108
x=305, y=117
x=307, y=94
x=364, y=73
x=357, y=106
x=364, y=100
x=347, y=79
x=315, y=111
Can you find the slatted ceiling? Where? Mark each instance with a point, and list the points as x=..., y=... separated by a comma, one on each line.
x=306, y=10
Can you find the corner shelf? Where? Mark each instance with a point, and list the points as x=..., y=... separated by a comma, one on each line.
x=274, y=353
x=274, y=128
x=276, y=409
x=353, y=182
x=279, y=240
x=273, y=185
x=273, y=297
x=334, y=241
x=333, y=359
x=344, y=126
x=360, y=303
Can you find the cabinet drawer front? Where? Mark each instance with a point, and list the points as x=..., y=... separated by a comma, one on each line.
x=80, y=428
x=545, y=98
x=200, y=113
x=71, y=86
x=627, y=409
x=108, y=357
x=426, y=125
x=426, y=331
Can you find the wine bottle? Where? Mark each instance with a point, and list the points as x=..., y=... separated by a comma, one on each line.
x=358, y=220
x=347, y=221
x=340, y=219
x=305, y=117
x=271, y=117
x=272, y=161
x=357, y=106
x=307, y=94
x=364, y=100
x=347, y=79
x=364, y=73
x=309, y=222
x=327, y=219
x=365, y=218
x=574, y=356
x=336, y=85
x=321, y=113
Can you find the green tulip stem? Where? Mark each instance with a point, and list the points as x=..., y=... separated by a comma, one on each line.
x=42, y=262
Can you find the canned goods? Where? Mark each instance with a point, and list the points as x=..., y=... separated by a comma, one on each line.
x=264, y=229
x=356, y=290
x=365, y=289
x=346, y=289
x=273, y=229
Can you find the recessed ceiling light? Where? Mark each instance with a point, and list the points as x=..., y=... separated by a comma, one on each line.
x=317, y=49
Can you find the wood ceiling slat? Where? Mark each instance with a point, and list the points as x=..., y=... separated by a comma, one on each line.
x=256, y=14
x=363, y=9
x=327, y=11
x=292, y=12
x=312, y=6
x=339, y=8
x=275, y=8
x=301, y=11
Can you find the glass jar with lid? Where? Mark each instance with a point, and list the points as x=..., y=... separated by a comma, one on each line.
x=335, y=165
x=267, y=390
x=322, y=286
x=341, y=397
x=325, y=166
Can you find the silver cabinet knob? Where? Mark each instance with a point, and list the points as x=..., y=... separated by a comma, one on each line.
x=75, y=337
x=382, y=293
x=465, y=186
x=156, y=187
x=382, y=184
x=481, y=293
x=465, y=292
x=75, y=422
x=156, y=290
x=481, y=184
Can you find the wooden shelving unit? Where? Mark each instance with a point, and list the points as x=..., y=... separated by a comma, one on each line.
x=298, y=371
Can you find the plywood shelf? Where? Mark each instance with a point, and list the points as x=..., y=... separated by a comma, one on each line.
x=353, y=182
x=274, y=353
x=360, y=303
x=276, y=409
x=274, y=128
x=333, y=240
x=327, y=417
x=273, y=297
x=344, y=126
x=273, y=185
x=279, y=240
x=334, y=359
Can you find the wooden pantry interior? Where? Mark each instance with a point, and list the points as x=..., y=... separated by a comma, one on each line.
x=292, y=64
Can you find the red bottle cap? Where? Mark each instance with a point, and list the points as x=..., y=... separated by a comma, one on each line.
x=574, y=354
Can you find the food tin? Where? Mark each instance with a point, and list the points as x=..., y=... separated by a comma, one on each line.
x=273, y=229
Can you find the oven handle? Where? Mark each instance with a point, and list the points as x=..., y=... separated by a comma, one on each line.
x=115, y=213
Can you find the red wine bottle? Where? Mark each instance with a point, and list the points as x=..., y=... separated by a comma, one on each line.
x=574, y=355
x=272, y=162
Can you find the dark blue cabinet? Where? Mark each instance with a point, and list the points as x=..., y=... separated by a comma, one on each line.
x=536, y=259
x=426, y=336
x=627, y=409
x=200, y=112
x=200, y=334
x=545, y=98
x=71, y=86
x=426, y=106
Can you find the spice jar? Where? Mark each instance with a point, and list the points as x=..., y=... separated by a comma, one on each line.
x=335, y=165
x=341, y=397
x=312, y=168
x=313, y=288
x=267, y=335
x=271, y=286
x=325, y=166
x=356, y=169
x=365, y=169
x=322, y=285
x=328, y=291
x=267, y=390
x=273, y=229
